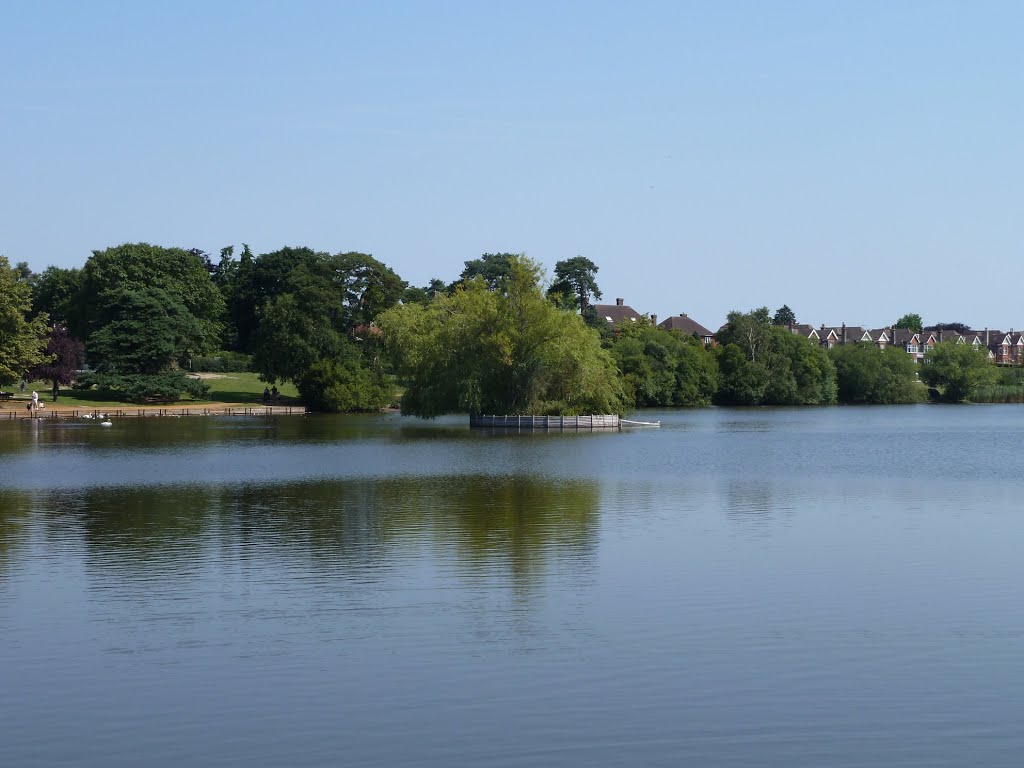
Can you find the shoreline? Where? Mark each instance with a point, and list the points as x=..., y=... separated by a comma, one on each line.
x=14, y=410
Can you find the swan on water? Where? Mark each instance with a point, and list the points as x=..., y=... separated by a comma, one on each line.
x=106, y=423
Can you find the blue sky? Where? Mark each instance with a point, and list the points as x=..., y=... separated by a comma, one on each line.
x=854, y=160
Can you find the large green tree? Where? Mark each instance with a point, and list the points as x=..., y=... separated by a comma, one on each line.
x=54, y=291
x=308, y=317
x=867, y=374
x=168, y=275
x=664, y=368
x=508, y=351
x=765, y=364
x=784, y=316
x=957, y=370
x=911, y=320
x=144, y=311
x=575, y=282
x=22, y=340
x=492, y=268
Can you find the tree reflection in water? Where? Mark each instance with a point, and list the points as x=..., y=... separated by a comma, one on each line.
x=354, y=529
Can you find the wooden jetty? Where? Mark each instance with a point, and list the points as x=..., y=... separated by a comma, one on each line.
x=545, y=423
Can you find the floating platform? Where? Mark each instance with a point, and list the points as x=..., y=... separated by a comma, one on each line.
x=546, y=423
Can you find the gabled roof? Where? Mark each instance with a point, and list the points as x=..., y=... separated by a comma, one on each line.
x=880, y=334
x=904, y=336
x=687, y=325
x=616, y=313
x=805, y=330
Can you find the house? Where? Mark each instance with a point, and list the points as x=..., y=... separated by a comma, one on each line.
x=688, y=327
x=998, y=344
x=805, y=330
x=928, y=340
x=909, y=340
x=616, y=313
x=880, y=337
x=1016, y=347
x=829, y=337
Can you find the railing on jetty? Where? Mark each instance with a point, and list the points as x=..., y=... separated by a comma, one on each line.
x=120, y=413
x=603, y=421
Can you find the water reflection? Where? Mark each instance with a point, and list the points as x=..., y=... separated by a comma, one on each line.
x=342, y=529
x=15, y=508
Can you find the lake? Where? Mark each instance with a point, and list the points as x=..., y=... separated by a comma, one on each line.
x=769, y=587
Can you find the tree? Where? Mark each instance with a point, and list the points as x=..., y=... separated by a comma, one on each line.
x=178, y=275
x=342, y=385
x=911, y=321
x=867, y=374
x=136, y=352
x=957, y=370
x=308, y=317
x=492, y=268
x=664, y=368
x=22, y=340
x=750, y=331
x=575, y=278
x=66, y=356
x=784, y=316
x=54, y=291
x=742, y=381
x=958, y=327
x=148, y=330
x=764, y=364
x=510, y=352
x=367, y=287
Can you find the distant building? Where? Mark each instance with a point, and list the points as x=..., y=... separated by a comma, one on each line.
x=688, y=327
x=617, y=313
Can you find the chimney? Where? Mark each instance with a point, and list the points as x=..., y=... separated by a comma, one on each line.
x=791, y=328
x=844, y=333
x=986, y=337
x=619, y=302
x=683, y=314
x=654, y=320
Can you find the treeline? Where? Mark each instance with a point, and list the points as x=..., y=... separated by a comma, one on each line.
x=352, y=334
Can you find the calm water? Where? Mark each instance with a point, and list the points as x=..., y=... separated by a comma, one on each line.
x=819, y=587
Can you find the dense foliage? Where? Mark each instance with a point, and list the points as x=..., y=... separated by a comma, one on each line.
x=764, y=364
x=956, y=371
x=350, y=334
x=867, y=374
x=22, y=340
x=65, y=356
x=502, y=348
x=662, y=368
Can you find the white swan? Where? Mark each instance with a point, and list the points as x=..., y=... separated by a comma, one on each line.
x=106, y=423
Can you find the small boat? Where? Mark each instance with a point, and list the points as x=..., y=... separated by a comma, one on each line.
x=628, y=423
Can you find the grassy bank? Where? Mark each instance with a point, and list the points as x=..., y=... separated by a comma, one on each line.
x=231, y=388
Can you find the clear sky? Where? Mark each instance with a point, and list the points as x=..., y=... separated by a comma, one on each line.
x=854, y=160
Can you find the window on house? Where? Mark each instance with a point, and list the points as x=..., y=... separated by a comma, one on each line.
x=912, y=348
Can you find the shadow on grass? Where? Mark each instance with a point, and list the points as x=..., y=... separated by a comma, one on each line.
x=234, y=396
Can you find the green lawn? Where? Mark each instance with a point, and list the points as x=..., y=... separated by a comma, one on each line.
x=225, y=388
